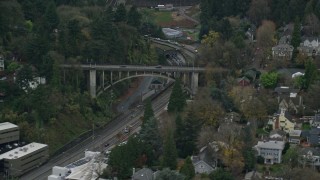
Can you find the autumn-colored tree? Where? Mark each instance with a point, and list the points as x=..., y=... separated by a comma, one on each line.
x=211, y=38
x=229, y=138
x=265, y=34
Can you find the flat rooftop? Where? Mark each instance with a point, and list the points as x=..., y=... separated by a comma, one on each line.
x=7, y=125
x=22, y=151
x=295, y=133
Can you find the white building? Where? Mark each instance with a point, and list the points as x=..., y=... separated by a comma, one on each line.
x=294, y=136
x=167, y=7
x=23, y=159
x=172, y=33
x=87, y=168
x=271, y=151
x=9, y=132
x=310, y=46
x=36, y=82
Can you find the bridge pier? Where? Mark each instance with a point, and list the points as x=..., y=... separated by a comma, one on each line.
x=184, y=78
x=119, y=74
x=111, y=78
x=194, y=83
x=102, y=79
x=93, y=82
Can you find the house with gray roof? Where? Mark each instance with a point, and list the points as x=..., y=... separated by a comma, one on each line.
x=310, y=46
x=143, y=174
x=295, y=136
x=206, y=161
x=201, y=166
x=314, y=137
x=289, y=98
x=309, y=156
x=315, y=121
x=271, y=151
x=278, y=135
x=282, y=51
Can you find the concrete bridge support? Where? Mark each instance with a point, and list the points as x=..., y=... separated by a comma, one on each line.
x=194, y=82
x=93, y=82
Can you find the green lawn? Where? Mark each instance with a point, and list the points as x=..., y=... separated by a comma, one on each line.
x=306, y=126
x=158, y=17
x=163, y=17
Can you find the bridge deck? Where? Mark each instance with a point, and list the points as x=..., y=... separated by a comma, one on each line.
x=137, y=68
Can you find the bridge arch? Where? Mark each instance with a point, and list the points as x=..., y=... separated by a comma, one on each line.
x=135, y=76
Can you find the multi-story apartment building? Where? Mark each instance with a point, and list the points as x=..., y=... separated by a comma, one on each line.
x=22, y=159
x=8, y=133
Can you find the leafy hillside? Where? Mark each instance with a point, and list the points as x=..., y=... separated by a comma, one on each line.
x=37, y=36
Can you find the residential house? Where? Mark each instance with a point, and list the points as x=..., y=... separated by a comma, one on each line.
x=231, y=117
x=251, y=32
x=315, y=121
x=282, y=52
x=305, y=138
x=35, y=83
x=277, y=135
x=289, y=98
x=201, y=166
x=282, y=121
x=271, y=151
x=243, y=81
x=143, y=174
x=310, y=46
x=295, y=136
x=309, y=157
x=314, y=138
x=206, y=161
x=252, y=74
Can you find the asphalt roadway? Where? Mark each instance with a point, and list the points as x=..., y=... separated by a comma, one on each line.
x=96, y=143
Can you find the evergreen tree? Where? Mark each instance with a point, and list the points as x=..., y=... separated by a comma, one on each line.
x=121, y=13
x=134, y=17
x=179, y=126
x=248, y=153
x=150, y=136
x=74, y=37
x=296, y=35
x=310, y=75
x=187, y=135
x=148, y=111
x=51, y=17
x=177, y=99
x=169, y=152
x=221, y=174
x=167, y=174
x=188, y=169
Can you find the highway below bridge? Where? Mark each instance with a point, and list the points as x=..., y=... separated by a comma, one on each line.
x=130, y=118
